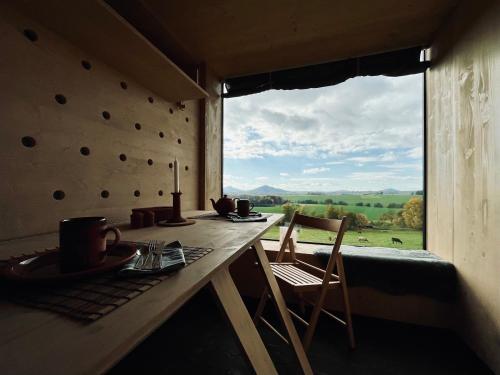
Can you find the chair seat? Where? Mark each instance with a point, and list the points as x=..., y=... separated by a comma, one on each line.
x=295, y=276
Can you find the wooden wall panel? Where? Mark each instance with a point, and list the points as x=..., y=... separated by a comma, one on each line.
x=31, y=74
x=464, y=173
x=213, y=137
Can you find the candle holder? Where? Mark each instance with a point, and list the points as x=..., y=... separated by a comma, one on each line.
x=176, y=220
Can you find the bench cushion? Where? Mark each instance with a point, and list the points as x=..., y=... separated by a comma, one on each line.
x=396, y=271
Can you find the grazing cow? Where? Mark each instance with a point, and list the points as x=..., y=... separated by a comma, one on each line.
x=363, y=239
x=396, y=240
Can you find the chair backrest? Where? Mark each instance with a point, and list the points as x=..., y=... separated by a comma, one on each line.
x=333, y=225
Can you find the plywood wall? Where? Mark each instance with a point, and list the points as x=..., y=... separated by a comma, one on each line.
x=464, y=167
x=76, y=160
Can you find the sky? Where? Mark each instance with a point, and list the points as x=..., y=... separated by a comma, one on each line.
x=363, y=134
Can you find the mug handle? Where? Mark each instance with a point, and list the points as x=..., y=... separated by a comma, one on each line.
x=116, y=232
x=251, y=207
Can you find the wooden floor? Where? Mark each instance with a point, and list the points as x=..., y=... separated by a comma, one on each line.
x=198, y=340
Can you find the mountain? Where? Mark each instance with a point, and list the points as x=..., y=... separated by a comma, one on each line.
x=266, y=190
x=391, y=191
x=230, y=190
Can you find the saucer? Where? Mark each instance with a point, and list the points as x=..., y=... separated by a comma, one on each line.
x=44, y=267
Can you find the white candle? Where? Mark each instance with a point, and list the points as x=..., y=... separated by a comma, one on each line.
x=176, y=176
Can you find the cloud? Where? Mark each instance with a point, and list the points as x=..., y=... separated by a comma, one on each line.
x=315, y=170
x=284, y=174
x=387, y=156
x=403, y=166
x=334, y=162
x=262, y=178
x=415, y=153
x=361, y=114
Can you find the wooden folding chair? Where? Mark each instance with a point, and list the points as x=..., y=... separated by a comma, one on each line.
x=303, y=278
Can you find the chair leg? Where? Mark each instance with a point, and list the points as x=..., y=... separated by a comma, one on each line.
x=260, y=307
x=347, y=304
x=314, y=319
x=302, y=305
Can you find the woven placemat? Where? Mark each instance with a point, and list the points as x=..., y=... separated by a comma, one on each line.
x=92, y=298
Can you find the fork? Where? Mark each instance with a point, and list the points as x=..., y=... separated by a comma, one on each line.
x=145, y=253
x=157, y=253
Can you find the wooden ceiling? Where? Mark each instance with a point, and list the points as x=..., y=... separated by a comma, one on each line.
x=238, y=38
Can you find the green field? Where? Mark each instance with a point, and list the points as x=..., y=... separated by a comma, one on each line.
x=412, y=239
x=372, y=213
x=352, y=199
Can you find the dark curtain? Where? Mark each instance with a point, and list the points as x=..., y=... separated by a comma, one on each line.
x=397, y=63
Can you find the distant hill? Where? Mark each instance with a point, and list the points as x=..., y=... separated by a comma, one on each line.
x=230, y=190
x=270, y=190
x=266, y=190
x=391, y=191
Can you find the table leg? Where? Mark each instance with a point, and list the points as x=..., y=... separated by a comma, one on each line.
x=242, y=323
x=280, y=304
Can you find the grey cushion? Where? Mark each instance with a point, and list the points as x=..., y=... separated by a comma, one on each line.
x=396, y=271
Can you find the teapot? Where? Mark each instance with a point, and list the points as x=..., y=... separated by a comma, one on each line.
x=224, y=205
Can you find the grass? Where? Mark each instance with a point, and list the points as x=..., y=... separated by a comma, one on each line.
x=352, y=199
x=412, y=239
x=372, y=213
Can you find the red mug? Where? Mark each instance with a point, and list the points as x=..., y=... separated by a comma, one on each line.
x=82, y=242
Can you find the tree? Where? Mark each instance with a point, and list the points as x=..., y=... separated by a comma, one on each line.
x=395, y=205
x=378, y=205
x=360, y=204
x=355, y=221
x=288, y=210
x=387, y=217
x=332, y=212
x=303, y=210
x=413, y=213
x=328, y=201
x=368, y=205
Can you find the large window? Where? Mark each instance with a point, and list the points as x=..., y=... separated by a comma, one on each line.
x=352, y=149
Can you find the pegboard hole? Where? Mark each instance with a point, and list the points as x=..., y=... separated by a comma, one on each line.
x=86, y=65
x=170, y=165
x=31, y=35
x=60, y=98
x=106, y=115
x=187, y=119
x=123, y=157
x=186, y=168
x=151, y=99
x=179, y=141
x=85, y=151
x=171, y=111
x=58, y=195
x=124, y=85
x=160, y=193
x=150, y=161
x=161, y=134
x=28, y=141
x=137, y=193
x=138, y=126
x=104, y=194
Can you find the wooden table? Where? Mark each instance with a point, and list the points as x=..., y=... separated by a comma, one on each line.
x=38, y=342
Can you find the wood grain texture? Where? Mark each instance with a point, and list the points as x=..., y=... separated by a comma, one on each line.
x=24, y=348
x=464, y=155
x=274, y=291
x=95, y=27
x=31, y=74
x=210, y=171
x=239, y=38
